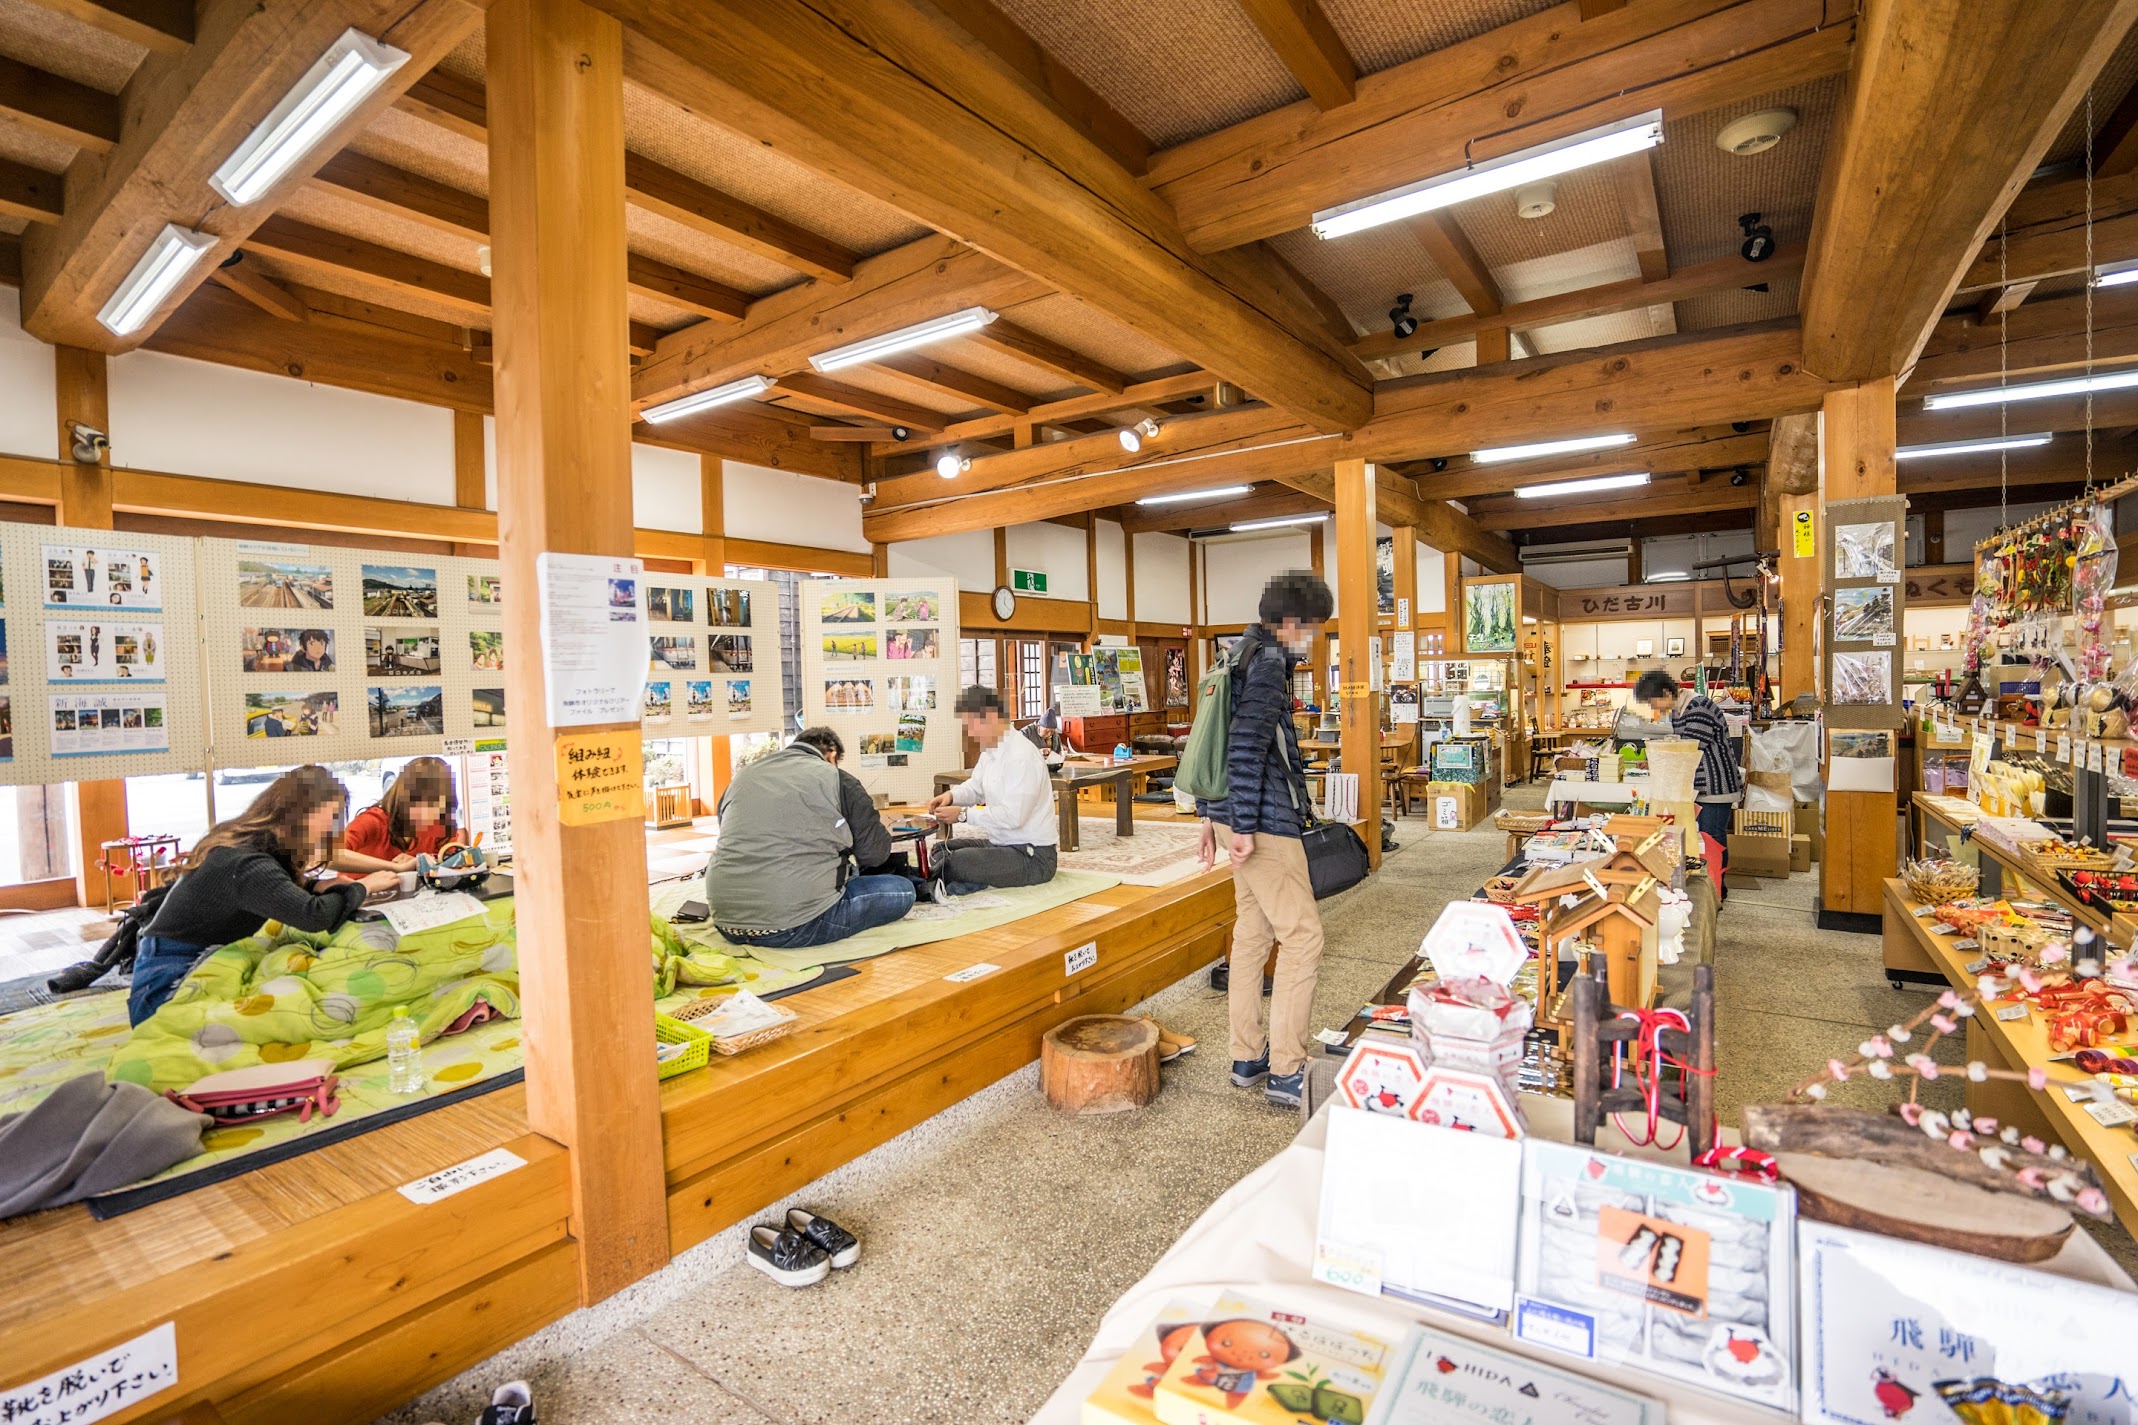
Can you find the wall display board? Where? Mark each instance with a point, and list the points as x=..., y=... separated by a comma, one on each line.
x=1105, y=680
x=880, y=664
x=712, y=656
x=1866, y=543
x=106, y=677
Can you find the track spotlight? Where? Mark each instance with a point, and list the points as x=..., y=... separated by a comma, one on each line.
x=1759, y=238
x=950, y=465
x=1133, y=437
x=1739, y=478
x=1400, y=318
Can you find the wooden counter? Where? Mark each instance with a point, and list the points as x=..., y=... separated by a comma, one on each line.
x=2023, y=1044
x=2004, y=874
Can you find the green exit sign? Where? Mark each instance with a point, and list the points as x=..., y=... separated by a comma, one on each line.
x=1028, y=581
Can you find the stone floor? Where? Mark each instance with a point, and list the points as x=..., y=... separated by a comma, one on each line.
x=996, y=1234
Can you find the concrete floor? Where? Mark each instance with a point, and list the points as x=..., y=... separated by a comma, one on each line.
x=995, y=1235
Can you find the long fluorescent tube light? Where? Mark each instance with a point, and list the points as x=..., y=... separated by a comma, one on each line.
x=705, y=400
x=1495, y=175
x=2115, y=274
x=1278, y=524
x=351, y=70
x=1550, y=447
x=1185, y=496
x=1582, y=487
x=876, y=348
x=168, y=259
x=1974, y=447
x=2036, y=391
x=1669, y=576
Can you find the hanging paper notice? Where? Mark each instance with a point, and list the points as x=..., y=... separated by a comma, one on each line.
x=593, y=638
x=1403, y=659
x=600, y=777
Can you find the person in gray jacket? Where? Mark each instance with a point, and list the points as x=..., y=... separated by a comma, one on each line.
x=792, y=828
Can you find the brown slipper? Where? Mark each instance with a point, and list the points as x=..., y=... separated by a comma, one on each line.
x=1170, y=1045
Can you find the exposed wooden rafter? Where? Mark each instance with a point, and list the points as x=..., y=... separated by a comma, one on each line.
x=1668, y=497
x=1307, y=45
x=262, y=291
x=1070, y=97
x=1073, y=366
x=159, y=26
x=1273, y=501
x=1437, y=522
x=58, y=108
x=819, y=394
x=1065, y=414
x=945, y=379
x=29, y=193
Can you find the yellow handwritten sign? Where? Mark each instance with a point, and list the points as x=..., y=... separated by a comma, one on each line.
x=1806, y=543
x=601, y=776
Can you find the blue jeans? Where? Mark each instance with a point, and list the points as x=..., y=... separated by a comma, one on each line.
x=1715, y=821
x=867, y=902
x=159, y=964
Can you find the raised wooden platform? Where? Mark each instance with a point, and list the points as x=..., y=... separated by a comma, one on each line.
x=313, y=1290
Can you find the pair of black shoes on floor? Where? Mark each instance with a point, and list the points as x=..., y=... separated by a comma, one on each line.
x=804, y=1252
x=1221, y=978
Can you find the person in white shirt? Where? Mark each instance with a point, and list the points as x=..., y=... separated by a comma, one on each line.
x=1009, y=799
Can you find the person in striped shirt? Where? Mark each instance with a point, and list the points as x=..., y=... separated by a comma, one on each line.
x=1718, y=784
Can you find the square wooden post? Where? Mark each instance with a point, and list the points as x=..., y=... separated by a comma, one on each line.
x=1358, y=599
x=1318, y=658
x=564, y=485
x=84, y=395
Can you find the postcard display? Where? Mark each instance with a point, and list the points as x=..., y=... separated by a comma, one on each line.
x=713, y=656
x=880, y=665
x=105, y=677
x=1865, y=545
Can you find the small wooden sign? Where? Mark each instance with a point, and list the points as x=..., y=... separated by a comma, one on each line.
x=600, y=777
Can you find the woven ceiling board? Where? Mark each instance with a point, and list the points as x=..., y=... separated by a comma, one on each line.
x=1012, y=371
x=1611, y=260
x=421, y=147
x=349, y=284
x=898, y=388
x=1587, y=212
x=735, y=165
x=1594, y=331
x=1736, y=307
x=62, y=45
x=666, y=240
x=39, y=151
x=1174, y=70
x=470, y=58
x=324, y=208
x=1381, y=33
x=1365, y=272
x=1064, y=319
x=1700, y=190
x=2114, y=81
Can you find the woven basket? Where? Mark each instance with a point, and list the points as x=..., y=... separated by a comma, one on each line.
x=1526, y=823
x=698, y=1008
x=1936, y=882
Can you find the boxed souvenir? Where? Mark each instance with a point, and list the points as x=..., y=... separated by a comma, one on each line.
x=1250, y=1363
x=1672, y=1270
x=1439, y=1379
x=1127, y=1394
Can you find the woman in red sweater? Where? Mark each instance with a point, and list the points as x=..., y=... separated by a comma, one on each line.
x=415, y=817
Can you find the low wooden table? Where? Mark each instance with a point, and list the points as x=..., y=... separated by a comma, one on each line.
x=1072, y=778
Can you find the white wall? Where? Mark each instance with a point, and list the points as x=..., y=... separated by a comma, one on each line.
x=1113, y=570
x=1055, y=550
x=968, y=557
x=667, y=491
x=1162, y=579
x=792, y=509
x=1240, y=567
x=1964, y=528
x=1586, y=574
x=185, y=417
x=1432, y=581
x=29, y=404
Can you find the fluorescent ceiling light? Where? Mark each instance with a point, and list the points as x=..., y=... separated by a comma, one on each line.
x=1495, y=175
x=1583, y=487
x=705, y=400
x=168, y=259
x=1277, y=524
x=1187, y=495
x=1550, y=447
x=2036, y=391
x=876, y=348
x=1974, y=447
x=345, y=76
x=1672, y=576
x=2116, y=274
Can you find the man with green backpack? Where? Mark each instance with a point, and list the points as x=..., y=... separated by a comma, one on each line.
x=1243, y=767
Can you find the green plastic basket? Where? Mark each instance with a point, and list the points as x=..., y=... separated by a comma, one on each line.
x=675, y=1031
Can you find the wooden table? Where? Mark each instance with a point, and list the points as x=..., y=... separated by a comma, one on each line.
x=1072, y=778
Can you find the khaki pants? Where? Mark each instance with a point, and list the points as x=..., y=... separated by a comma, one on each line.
x=1275, y=905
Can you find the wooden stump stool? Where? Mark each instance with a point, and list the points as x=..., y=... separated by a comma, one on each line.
x=1100, y=1063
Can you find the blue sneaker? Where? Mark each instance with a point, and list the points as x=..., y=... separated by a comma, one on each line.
x=1283, y=1090
x=1249, y=1073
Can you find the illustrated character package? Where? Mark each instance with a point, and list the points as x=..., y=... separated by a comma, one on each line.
x=1127, y=1394
x=1249, y=1363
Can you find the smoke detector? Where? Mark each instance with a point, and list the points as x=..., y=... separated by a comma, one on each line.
x=1756, y=133
x=1536, y=200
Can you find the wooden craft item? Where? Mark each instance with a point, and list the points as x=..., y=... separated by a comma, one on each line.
x=1598, y=1030
x=1099, y=1063
x=1830, y=1131
x=1921, y=1206
x=1621, y=926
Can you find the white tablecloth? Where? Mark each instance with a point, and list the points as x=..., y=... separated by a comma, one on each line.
x=1576, y=789
x=1258, y=1239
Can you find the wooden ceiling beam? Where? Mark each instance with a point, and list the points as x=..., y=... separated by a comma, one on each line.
x=2060, y=461
x=1412, y=121
x=1069, y=96
x=892, y=100
x=10, y=262
x=185, y=113
x=1268, y=502
x=2029, y=342
x=1308, y=46
x=2111, y=410
x=58, y=108
x=263, y=292
x=1063, y=414
x=30, y=193
x=1007, y=337
x=820, y=393
x=2115, y=144
x=397, y=193
x=1456, y=257
x=647, y=277
x=1634, y=176
x=1437, y=522
x=924, y=370
x=159, y=26
x=1664, y=455
x=1673, y=497
x=454, y=104
x=1723, y=274
x=1944, y=121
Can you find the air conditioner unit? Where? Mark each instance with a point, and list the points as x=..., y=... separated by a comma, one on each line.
x=1575, y=553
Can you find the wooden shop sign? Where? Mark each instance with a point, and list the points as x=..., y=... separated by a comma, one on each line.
x=1635, y=601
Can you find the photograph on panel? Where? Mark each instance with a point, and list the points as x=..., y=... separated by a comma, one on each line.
x=288, y=650
x=658, y=703
x=394, y=651
x=730, y=653
x=739, y=698
x=849, y=647
x=486, y=650
x=277, y=584
x=905, y=643
x=484, y=590
x=698, y=700
x=670, y=605
x=292, y=714
x=400, y=591
x=489, y=709
x=848, y=607
x=405, y=711
x=727, y=608
x=108, y=578
x=849, y=695
x=923, y=607
x=680, y=654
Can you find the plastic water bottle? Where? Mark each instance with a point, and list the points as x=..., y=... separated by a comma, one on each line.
x=404, y=1054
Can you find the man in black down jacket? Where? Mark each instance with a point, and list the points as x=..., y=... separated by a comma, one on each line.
x=1264, y=815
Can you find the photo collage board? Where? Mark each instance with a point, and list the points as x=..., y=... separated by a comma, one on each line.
x=713, y=656
x=1866, y=556
x=105, y=680
x=880, y=665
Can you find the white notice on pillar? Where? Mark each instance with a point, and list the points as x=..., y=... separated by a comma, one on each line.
x=594, y=647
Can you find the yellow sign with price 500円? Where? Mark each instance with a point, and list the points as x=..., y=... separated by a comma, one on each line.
x=601, y=776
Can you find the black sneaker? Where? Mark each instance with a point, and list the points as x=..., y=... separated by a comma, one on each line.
x=1283, y=1090
x=787, y=1256
x=1247, y=1073
x=1221, y=978
x=836, y=1242
x=510, y=1404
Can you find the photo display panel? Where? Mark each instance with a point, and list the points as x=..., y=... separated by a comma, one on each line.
x=712, y=656
x=105, y=674
x=1866, y=548
x=880, y=666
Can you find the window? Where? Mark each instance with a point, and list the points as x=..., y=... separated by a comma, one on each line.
x=667, y=763
x=1031, y=678
x=36, y=834
x=976, y=663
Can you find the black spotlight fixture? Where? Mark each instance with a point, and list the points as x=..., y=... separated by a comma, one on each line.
x=1759, y=238
x=1740, y=477
x=1400, y=318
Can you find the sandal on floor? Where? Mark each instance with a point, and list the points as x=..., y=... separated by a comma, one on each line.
x=827, y=1236
x=786, y=1256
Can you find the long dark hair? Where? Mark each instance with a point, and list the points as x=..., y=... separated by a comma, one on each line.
x=275, y=822
x=424, y=779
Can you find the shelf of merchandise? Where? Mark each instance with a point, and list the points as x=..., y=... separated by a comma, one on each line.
x=2010, y=869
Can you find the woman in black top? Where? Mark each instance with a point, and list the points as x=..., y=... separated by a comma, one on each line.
x=247, y=871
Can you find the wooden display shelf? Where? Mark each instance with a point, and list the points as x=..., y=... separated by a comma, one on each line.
x=2023, y=1044
x=2012, y=868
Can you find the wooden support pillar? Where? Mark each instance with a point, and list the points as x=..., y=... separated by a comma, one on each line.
x=1634, y=573
x=1406, y=562
x=1800, y=599
x=1128, y=580
x=1934, y=537
x=880, y=560
x=564, y=479
x=470, y=476
x=712, y=557
x=1318, y=660
x=84, y=397
x=1091, y=572
x=1002, y=556
x=1358, y=596
x=1197, y=658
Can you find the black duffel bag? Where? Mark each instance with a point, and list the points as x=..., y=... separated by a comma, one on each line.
x=1336, y=857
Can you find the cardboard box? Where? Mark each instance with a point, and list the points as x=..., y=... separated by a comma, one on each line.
x=1454, y=806
x=1754, y=855
x=1799, y=853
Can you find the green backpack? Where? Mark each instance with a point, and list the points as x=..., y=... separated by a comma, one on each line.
x=1202, y=763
